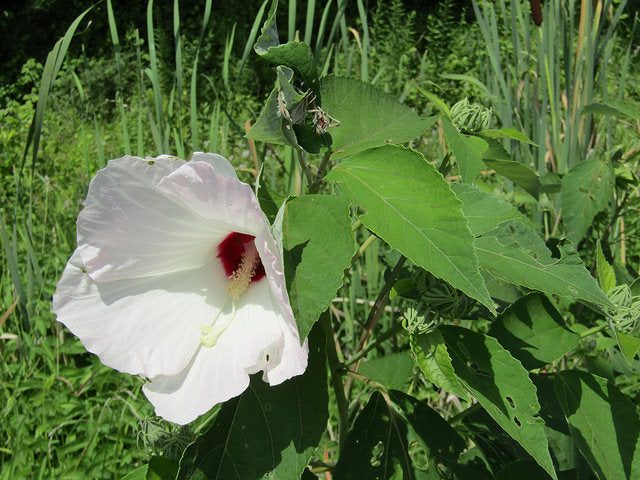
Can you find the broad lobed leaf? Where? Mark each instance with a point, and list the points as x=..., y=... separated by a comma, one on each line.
x=410, y=206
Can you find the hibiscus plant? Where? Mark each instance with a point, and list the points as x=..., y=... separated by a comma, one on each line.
x=222, y=296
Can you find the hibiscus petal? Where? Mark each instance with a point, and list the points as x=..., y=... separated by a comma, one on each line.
x=220, y=164
x=258, y=338
x=218, y=198
x=130, y=228
x=148, y=326
x=197, y=185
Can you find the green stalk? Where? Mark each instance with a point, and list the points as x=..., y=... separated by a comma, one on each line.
x=336, y=379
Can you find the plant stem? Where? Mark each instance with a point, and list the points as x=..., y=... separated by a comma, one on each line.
x=317, y=181
x=336, y=379
x=376, y=341
x=374, y=314
x=593, y=330
x=304, y=166
x=465, y=413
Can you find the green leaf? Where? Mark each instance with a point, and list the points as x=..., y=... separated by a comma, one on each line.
x=161, y=469
x=603, y=422
x=377, y=446
x=498, y=159
x=368, y=117
x=586, y=190
x=139, y=473
x=629, y=345
x=314, y=266
x=613, y=108
x=270, y=201
x=437, y=102
x=410, y=206
x=392, y=371
x=518, y=173
x=502, y=386
x=296, y=55
x=272, y=126
x=563, y=450
x=606, y=274
x=430, y=353
x=440, y=441
x=518, y=255
x=507, y=133
x=468, y=150
x=266, y=429
x=533, y=331
x=158, y=468
x=483, y=210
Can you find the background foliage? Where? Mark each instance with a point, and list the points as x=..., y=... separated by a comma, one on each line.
x=434, y=386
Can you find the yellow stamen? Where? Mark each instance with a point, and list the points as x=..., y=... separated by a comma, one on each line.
x=241, y=278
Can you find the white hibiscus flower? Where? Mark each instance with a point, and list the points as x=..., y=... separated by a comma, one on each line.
x=178, y=278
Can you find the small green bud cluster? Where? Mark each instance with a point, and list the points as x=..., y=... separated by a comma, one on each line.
x=470, y=117
x=436, y=301
x=625, y=316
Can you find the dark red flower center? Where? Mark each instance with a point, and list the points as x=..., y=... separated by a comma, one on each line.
x=231, y=252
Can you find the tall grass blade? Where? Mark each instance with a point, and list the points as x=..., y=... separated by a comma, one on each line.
x=113, y=28
x=193, y=96
x=308, y=28
x=251, y=40
x=154, y=76
x=178, y=95
x=51, y=69
x=364, y=60
x=11, y=256
x=292, y=20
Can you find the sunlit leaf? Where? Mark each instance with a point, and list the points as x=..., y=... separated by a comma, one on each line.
x=516, y=254
x=314, y=267
x=410, y=206
x=508, y=133
x=432, y=357
x=467, y=149
x=483, y=210
x=368, y=117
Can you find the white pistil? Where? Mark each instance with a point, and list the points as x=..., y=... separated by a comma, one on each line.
x=239, y=284
x=211, y=333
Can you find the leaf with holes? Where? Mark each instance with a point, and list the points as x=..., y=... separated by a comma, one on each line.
x=314, y=267
x=503, y=388
x=467, y=149
x=430, y=353
x=533, y=331
x=410, y=206
x=266, y=429
x=377, y=446
x=586, y=191
x=603, y=422
x=368, y=117
x=441, y=442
